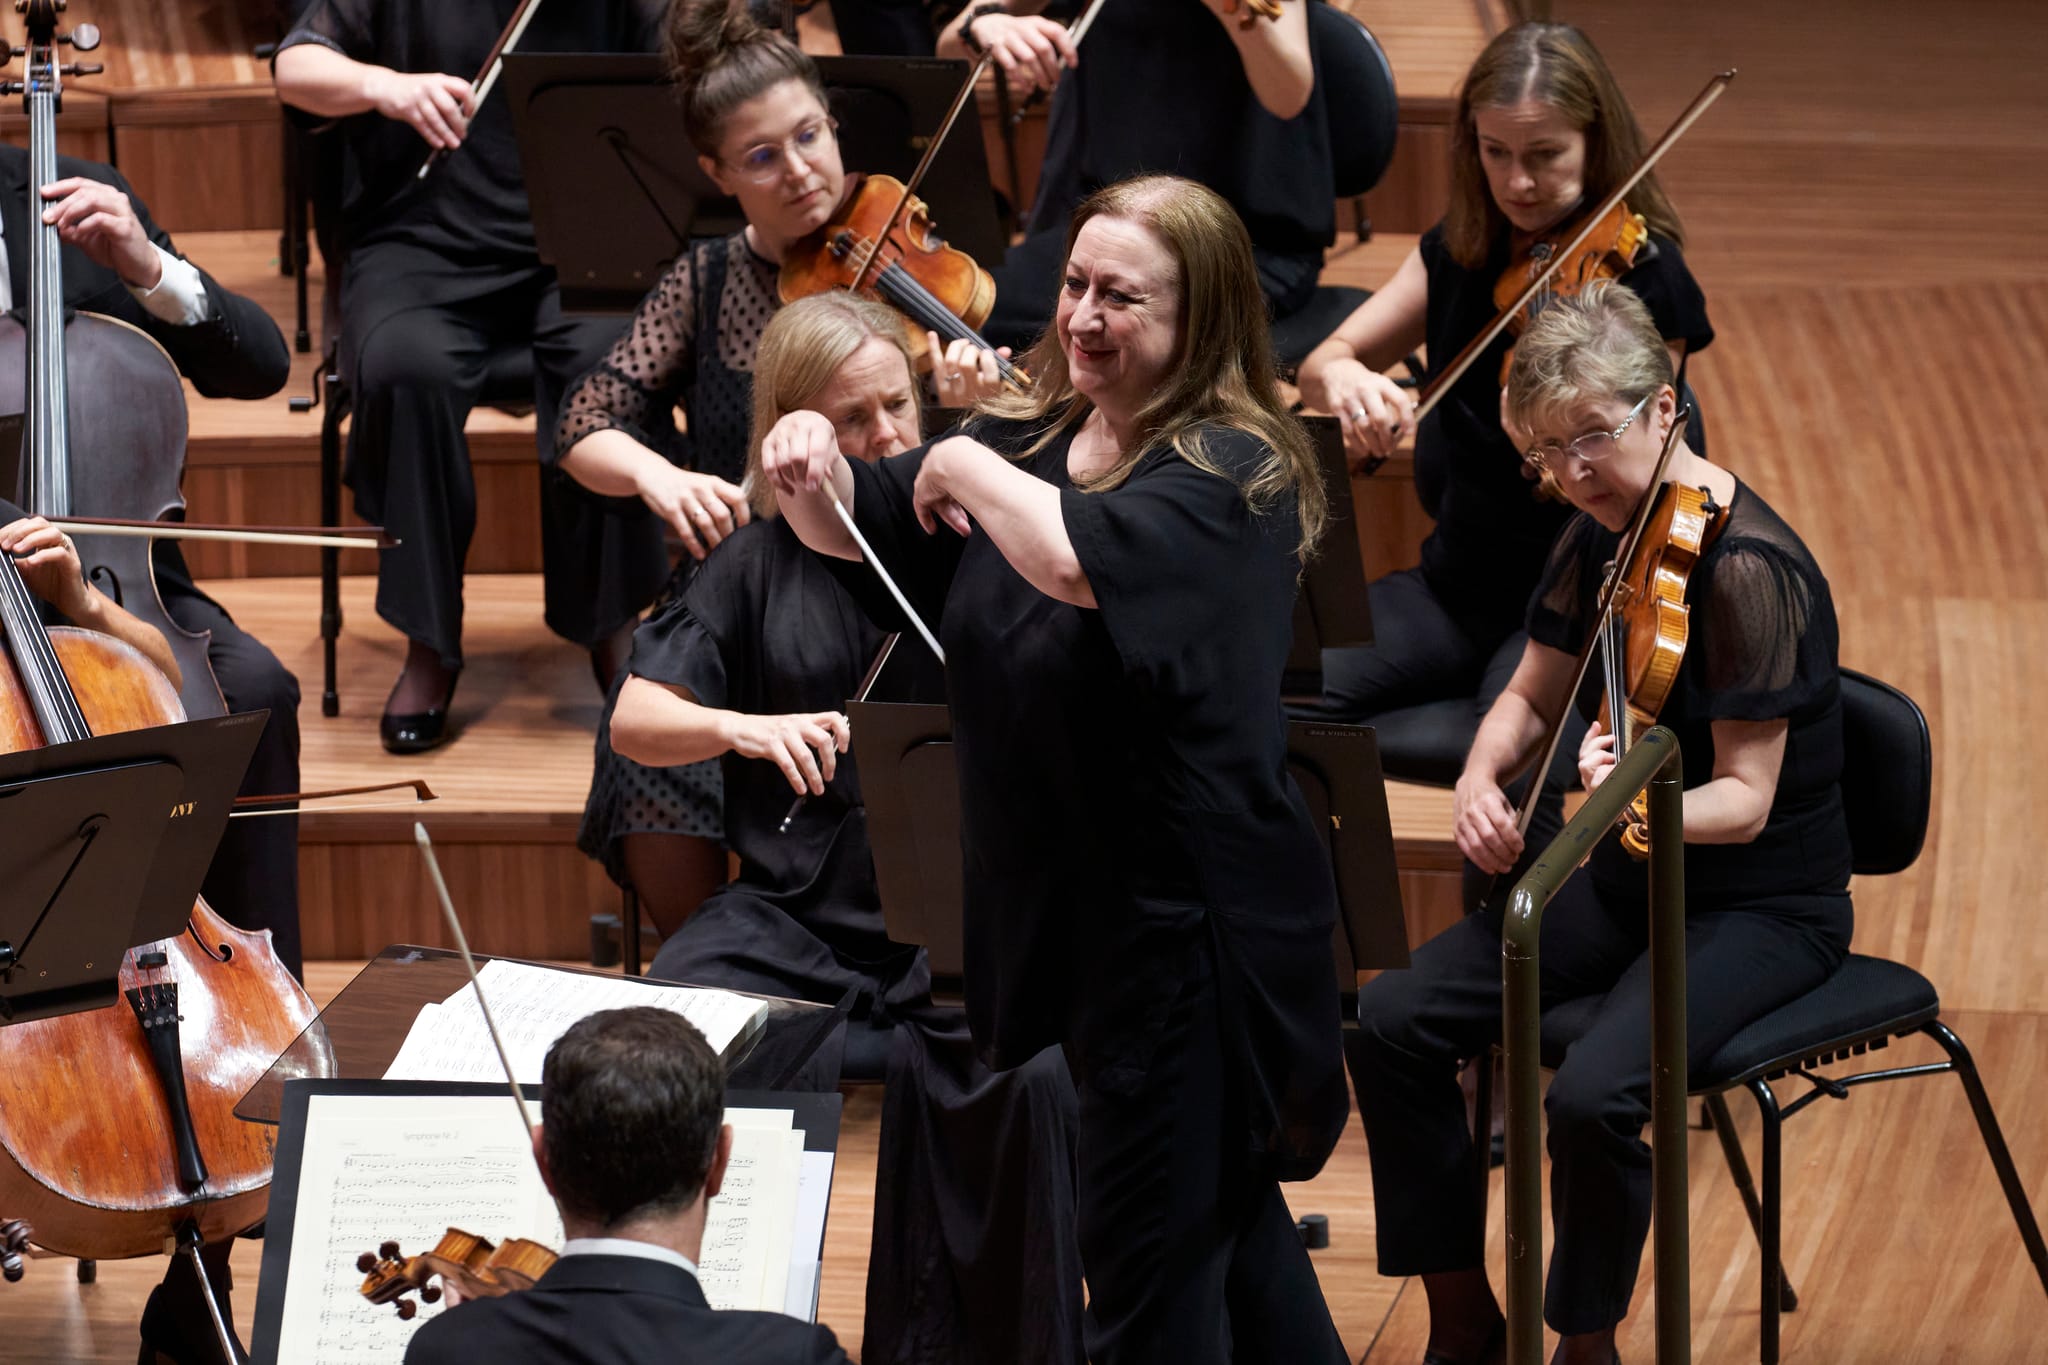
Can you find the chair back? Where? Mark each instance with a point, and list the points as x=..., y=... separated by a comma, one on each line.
x=1887, y=774
x=1358, y=94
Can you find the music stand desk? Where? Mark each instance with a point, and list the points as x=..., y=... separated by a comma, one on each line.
x=359, y=1033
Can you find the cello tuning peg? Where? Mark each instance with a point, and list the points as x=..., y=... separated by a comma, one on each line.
x=82, y=68
x=366, y=1262
x=431, y=1293
x=388, y=1250
x=84, y=38
x=407, y=1310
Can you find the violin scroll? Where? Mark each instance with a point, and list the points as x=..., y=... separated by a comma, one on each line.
x=476, y=1268
x=14, y=1235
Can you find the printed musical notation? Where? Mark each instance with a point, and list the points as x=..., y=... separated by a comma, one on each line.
x=535, y=1005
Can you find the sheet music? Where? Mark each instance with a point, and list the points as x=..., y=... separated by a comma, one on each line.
x=404, y=1168
x=747, y=1229
x=409, y=1167
x=533, y=1007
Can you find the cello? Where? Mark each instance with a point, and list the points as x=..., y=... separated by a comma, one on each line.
x=131, y=451
x=118, y=1135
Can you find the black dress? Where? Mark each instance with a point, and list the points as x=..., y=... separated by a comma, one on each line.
x=974, y=1248
x=441, y=282
x=1143, y=883
x=1161, y=88
x=1766, y=921
x=691, y=344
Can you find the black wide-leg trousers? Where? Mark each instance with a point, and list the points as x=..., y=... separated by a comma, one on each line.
x=419, y=336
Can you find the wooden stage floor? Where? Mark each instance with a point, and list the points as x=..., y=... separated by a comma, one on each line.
x=1865, y=212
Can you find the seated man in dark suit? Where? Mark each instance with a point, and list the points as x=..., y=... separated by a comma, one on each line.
x=117, y=262
x=633, y=1148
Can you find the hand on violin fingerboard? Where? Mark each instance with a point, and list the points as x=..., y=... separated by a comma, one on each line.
x=962, y=373
x=437, y=106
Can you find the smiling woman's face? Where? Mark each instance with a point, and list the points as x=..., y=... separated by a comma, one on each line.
x=1119, y=314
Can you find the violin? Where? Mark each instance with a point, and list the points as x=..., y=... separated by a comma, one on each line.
x=1642, y=640
x=1254, y=10
x=118, y=1133
x=477, y=1269
x=881, y=243
x=1606, y=251
x=1610, y=217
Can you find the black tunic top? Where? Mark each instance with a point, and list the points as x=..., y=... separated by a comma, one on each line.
x=1492, y=532
x=1762, y=646
x=1123, y=780
x=765, y=629
x=1161, y=87
x=473, y=205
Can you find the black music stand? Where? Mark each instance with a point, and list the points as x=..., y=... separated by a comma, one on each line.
x=617, y=193
x=1331, y=611
x=908, y=785
x=108, y=839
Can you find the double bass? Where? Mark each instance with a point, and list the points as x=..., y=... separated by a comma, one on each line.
x=118, y=1135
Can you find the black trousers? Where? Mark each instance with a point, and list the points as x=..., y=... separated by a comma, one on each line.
x=419, y=336
x=1420, y=1025
x=1191, y=1256
x=253, y=882
x=1028, y=286
x=888, y=28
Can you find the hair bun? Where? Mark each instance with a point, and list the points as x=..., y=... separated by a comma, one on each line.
x=700, y=32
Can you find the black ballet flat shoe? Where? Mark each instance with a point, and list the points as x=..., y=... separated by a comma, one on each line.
x=1492, y=1353
x=415, y=732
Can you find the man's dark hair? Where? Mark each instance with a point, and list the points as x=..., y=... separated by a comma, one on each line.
x=631, y=1109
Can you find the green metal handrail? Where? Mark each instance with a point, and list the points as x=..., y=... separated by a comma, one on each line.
x=1653, y=761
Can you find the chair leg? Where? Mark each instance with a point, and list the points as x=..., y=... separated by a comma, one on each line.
x=1767, y=1232
x=1994, y=1144
x=334, y=407
x=629, y=930
x=1482, y=1126
x=1723, y=1125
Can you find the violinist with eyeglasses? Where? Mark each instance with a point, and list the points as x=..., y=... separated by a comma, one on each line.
x=1756, y=707
x=755, y=108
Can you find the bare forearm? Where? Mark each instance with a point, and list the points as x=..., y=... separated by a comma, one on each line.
x=1726, y=810
x=1507, y=740
x=1276, y=61
x=1021, y=515
x=324, y=82
x=609, y=462
x=658, y=728
x=809, y=513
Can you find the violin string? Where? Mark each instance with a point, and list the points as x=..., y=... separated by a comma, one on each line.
x=936, y=315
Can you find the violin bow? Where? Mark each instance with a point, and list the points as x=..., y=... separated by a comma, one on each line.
x=419, y=834
x=494, y=64
x=924, y=164
x=317, y=537
x=1609, y=593
x=290, y=803
x=1441, y=384
x=867, y=685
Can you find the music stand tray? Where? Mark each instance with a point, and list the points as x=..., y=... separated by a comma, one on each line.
x=108, y=839
x=616, y=191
